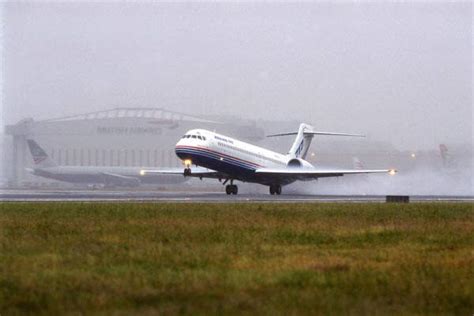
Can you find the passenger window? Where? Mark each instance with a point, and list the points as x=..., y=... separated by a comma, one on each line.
x=200, y=137
x=194, y=136
x=203, y=138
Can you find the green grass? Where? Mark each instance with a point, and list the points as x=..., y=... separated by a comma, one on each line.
x=89, y=258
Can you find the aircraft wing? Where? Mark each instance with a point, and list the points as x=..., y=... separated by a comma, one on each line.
x=195, y=172
x=120, y=179
x=311, y=174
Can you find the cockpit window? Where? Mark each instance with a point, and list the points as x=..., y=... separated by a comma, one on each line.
x=195, y=136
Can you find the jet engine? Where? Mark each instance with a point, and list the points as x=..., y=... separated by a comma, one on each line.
x=299, y=163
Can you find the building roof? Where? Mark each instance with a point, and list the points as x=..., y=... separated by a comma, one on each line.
x=148, y=113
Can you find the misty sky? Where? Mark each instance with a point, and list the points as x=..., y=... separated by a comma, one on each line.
x=397, y=72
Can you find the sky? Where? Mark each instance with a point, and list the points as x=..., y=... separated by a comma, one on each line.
x=398, y=72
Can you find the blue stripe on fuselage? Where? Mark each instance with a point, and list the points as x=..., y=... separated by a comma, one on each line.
x=218, y=155
x=232, y=161
x=233, y=167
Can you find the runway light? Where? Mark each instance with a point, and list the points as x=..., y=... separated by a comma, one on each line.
x=413, y=155
x=392, y=172
x=221, y=158
x=142, y=172
x=187, y=163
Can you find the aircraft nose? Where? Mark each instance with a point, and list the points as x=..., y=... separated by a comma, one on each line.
x=181, y=142
x=180, y=150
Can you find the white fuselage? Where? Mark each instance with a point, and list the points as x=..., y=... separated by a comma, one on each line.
x=235, y=158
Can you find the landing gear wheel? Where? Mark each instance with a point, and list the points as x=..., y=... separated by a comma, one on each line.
x=275, y=189
x=231, y=189
x=278, y=189
x=272, y=189
x=187, y=171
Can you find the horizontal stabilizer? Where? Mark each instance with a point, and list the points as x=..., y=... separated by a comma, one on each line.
x=303, y=139
x=316, y=133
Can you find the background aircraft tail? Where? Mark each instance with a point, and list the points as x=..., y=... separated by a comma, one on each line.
x=303, y=139
x=443, y=150
x=40, y=158
x=357, y=164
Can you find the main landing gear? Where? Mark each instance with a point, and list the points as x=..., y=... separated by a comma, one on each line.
x=231, y=188
x=275, y=189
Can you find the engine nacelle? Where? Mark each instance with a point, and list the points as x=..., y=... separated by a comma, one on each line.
x=299, y=163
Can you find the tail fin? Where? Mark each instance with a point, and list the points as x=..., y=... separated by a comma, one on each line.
x=304, y=136
x=40, y=158
x=300, y=146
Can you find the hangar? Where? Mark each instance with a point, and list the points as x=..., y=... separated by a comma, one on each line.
x=143, y=137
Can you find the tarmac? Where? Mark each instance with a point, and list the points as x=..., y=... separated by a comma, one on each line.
x=199, y=197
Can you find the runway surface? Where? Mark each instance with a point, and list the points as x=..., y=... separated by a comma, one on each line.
x=201, y=197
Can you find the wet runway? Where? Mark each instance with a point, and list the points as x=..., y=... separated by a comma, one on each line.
x=195, y=196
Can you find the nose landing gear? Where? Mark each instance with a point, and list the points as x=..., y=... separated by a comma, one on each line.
x=187, y=167
x=275, y=189
x=187, y=172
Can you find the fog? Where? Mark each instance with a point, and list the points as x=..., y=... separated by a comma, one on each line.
x=425, y=181
x=400, y=73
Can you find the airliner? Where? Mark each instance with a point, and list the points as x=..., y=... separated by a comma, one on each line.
x=106, y=176
x=224, y=158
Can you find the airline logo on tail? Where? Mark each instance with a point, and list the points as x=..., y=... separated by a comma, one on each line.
x=299, y=149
